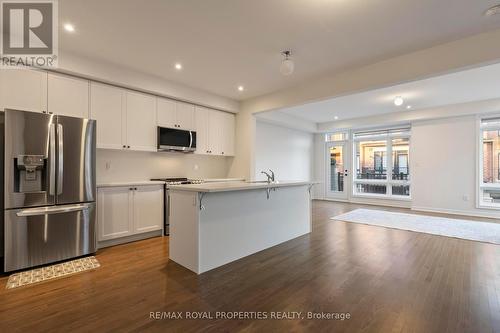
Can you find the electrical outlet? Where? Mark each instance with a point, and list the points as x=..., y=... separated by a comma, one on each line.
x=465, y=197
x=108, y=165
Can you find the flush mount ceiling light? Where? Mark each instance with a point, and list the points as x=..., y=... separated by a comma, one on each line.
x=241, y=88
x=178, y=66
x=287, y=66
x=69, y=27
x=336, y=117
x=398, y=101
x=408, y=107
x=495, y=10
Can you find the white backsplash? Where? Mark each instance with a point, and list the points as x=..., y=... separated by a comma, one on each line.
x=118, y=165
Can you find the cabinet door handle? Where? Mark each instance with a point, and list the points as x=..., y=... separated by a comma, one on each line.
x=124, y=146
x=128, y=147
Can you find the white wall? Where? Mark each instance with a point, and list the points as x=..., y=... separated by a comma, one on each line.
x=138, y=166
x=443, y=160
x=288, y=152
x=319, y=171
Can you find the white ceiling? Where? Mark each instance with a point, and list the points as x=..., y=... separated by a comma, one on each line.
x=225, y=43
x=466, y=86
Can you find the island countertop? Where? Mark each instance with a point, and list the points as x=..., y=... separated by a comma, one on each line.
x=237, y=186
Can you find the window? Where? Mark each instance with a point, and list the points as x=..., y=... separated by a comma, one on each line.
x=489, y=170
x=376, y=174
x=337, y=136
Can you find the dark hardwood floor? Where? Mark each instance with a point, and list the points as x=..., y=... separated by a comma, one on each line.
x=387, y=280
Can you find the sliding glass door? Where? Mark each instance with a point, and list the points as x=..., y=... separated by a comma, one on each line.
x=382, y=164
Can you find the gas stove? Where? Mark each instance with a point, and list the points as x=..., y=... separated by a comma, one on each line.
x=179, y=181
x=168, y=182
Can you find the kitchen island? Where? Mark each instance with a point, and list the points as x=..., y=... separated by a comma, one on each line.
x=216, y=223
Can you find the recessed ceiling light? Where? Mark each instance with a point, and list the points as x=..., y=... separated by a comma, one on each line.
x=69, y=27
x=408, y=107
x=178, y=66
x=336, y=118
x=241, y=88
x=493, y=11
x=398, y=101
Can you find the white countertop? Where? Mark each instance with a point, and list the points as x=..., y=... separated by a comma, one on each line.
x=236, y=186
x=219, y=180
x=131, y=183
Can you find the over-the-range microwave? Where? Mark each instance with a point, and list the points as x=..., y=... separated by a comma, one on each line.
x=174, y=139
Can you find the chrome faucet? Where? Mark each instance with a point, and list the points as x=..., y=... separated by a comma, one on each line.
x=270, y=177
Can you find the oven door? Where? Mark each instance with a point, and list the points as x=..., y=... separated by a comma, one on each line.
x=37, y=236
x=171, y=139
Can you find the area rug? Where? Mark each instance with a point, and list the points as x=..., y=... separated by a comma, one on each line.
x=42, y=274
x=464, y=229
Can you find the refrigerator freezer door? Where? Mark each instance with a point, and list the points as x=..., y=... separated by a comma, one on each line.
x=75, y=160
x=29, y=161
x=37, y=236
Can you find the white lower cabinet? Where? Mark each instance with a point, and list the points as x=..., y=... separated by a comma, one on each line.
x=128, y=211
x=148, y=208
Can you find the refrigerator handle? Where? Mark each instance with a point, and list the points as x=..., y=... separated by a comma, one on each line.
x=52, y=210
x=60, y=166
x=52, y=159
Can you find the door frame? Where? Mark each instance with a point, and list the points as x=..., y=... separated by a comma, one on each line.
x=347, y=157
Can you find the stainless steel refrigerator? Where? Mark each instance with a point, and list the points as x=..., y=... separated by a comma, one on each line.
x=49, y=189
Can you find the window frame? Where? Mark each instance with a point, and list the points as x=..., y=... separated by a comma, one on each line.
x=387, y=134
x=480, y=184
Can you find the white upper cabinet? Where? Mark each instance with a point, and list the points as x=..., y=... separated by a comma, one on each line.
x=173, y=114
x=167, y=113
x=141, y=121
x=68, y=96
x=201, y=117
x=185, y=116
x=126, y=119
x=23, y=89
x=106, y=106
x=228, y=134
x=214, y=132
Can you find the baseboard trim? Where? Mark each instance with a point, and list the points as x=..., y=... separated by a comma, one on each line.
x=370, y=203
x=456, y=212
x=128, y=239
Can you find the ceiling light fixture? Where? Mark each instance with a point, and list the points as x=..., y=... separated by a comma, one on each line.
x=408, y=107
x=493, y=11
x=336, y=118
x=241, y=88
x=69, y=27
x=287, y=66
x=398, y=101
x=178, y=66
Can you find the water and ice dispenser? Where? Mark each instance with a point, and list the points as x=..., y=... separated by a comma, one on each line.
x=29, y=173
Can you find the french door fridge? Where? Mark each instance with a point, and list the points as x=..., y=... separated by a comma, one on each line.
x=49, y=188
